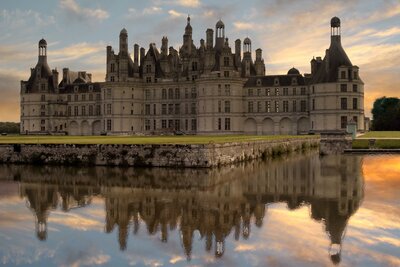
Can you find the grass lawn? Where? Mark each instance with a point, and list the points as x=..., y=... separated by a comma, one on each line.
x=381, y=134
x=187, y=139
x=380, y=143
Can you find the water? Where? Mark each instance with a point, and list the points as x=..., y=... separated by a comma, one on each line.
x=299, y=211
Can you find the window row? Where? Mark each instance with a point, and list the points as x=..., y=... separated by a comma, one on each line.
x=83, y=97
x=276, y=106
x=84, y=110
x=276, y=91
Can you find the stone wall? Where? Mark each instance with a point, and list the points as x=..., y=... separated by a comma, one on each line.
x=334, y=143
x=204, y=155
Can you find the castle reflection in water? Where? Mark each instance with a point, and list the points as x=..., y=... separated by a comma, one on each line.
x=214, y=202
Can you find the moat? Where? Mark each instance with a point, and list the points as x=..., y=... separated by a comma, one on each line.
x=300, y=210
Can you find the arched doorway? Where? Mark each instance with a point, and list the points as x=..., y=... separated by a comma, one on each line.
x=268, y=126
x=285, y=126
x=85, y=128
x=96, y=128
x=73, y=128
x=303, y=125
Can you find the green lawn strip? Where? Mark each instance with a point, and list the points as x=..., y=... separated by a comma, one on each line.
x=380, y=143
x=381, y=134
x=139, y=139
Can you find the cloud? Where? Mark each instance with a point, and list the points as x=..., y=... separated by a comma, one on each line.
x=188, y=3
x=76, y=51
x=152, y=10
x=241, y=25
x=176, y=14
x=81, y=13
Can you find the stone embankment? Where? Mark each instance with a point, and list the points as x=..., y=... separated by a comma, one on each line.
x=170, y=155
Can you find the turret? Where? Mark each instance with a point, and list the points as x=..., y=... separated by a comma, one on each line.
x=259, y=63
x=219, y=34
x=164, y=46
x=335, y=29
x=136, y=54
x=123, y=42
x=42, y=51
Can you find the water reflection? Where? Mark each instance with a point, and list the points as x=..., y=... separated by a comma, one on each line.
x=216, y=202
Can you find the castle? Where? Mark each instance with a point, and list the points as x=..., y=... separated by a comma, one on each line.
x=197, y=90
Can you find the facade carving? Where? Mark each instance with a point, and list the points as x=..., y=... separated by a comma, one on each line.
x=205, y=89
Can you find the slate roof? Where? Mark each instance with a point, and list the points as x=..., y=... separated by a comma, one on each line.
x=32, y=85
x=269, y=80
x=334, y=58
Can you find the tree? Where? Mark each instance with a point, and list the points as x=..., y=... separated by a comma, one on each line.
x=9, y=127
x=386, y=114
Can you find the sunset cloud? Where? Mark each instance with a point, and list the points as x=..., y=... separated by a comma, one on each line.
x=72, y=7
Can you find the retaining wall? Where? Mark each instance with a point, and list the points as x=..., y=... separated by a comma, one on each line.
x=204, y=155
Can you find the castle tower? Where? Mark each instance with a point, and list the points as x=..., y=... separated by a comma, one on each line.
x=247, y=61
x=259, y=63
x=219, y=35
x=42, y=46
x=123, y=55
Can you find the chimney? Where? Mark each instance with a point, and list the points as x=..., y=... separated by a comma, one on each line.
x=136, y=54
x=142, y=54
x=209, y=38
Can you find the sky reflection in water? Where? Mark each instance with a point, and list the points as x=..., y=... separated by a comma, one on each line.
x=298, y=211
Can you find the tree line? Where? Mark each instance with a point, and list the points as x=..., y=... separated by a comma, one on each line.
x=9, y=127
x=386, y=114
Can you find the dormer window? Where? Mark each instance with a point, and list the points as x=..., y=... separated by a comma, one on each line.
x=294, y=81
x=355, y=75
x=343, y=74
x=76, y=89
x=276, y=81
x=148, y=68
x=43, y=87
x=258, y=82
x=90, y=88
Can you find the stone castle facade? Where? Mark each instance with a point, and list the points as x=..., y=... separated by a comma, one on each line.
x=208, y=89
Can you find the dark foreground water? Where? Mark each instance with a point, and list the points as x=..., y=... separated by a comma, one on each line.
x=299, y=211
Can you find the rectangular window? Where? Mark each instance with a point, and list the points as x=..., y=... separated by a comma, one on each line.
x=69, y=98
x=294, y=106
x=267, y=92
x=343, y=122
x=276, y=106
x=268, y=106
x=147, y=109
x=112, y=78
x=227, y=124
x=148, y=68
x=259, y=106
x=303, y=106
x=259, y=91
x=108, y=109
x=186, y=93
x=343, y=88
x=227, y=89
x=250, y=92
x=285, y=106
x=108, y=125
x=83, y=97
x=170, y=124
x=193, y=108
x=219, y=124
x=227, y=106
x=194, y=124
x=75, y=111
x=177, y=93
x=147, y=94
x=164, y=93
x=90, y=97
x=343, y=103
x=112, y=67
x=90, y=110
x=294, y=90
x=343, y=74
x=43, y=98
x=170, y=93
x=194, y=93
x=154, y=109
x=355, y=103
x=285, y=91
x=163, y=124
x=108, y=96
x=170, y=109
x=177, y=108
x=186, y=125
x=147, y=125
x=355, y=75
x=355, y=88
x=226, y=73
x=69, y=111
x=303, y=91
x=76, y=97
x=83, y=111
x=226, y=61
x=98, y=110
x=250, y=107
x=194, y=66
x=219, y=107
x=277, y=91
x=98, y=97
x=355, y=119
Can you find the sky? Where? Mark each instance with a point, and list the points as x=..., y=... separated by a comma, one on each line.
x=290, y=33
